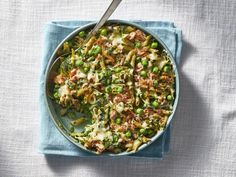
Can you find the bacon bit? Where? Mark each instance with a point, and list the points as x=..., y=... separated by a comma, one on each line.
x=72, y=73
x=122, y=128
x=137, y=124
x=107, y=44
x=99, y=56
x=140, y=35
x=159, y=112
x=97, y=144
x=119, y=98
x=132, y=113
x=74, y=79
x=75, y=102
x=113, y=126
x=142, y=52
x=94, y=142
x=131, y=36
x=139, y=67
x=164, y=78
x=148, y=112
x=143, y=83
x=113, y=114
x=59, y=79
x=128, y=119
x=153, y=76
x=101, y=40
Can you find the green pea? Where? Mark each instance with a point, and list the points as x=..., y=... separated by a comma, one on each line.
x=120, y=89
x=82, y=33
x=104, y=32
x=128, y=134
x=96, y=50
x=143, y=73
x=79, y=63
x=86, y=69
x=169, y=97
x=154, y=45
x=155, y=82
x=166, y=68
x=155, y=69
x=139, y=111
x=144, y=63
x=142, y=131
x=138, y=44
x=155, y=104
x=118, y=120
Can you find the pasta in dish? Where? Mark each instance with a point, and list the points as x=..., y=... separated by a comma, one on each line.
x=122, y=82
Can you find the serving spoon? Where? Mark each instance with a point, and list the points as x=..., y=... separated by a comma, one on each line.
x=112, y=7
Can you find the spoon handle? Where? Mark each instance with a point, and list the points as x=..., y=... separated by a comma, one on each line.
x=114, y=4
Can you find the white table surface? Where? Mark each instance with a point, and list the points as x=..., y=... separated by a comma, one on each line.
x=204, y=129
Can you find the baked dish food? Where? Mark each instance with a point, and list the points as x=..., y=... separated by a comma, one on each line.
x=121, y=83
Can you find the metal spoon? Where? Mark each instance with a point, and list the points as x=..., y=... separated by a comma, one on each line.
x=112, y=7
x=55, y=65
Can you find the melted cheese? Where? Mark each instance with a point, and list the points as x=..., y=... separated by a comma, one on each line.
x=63, y=90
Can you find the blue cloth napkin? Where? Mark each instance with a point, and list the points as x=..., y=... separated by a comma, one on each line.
x=51, y=140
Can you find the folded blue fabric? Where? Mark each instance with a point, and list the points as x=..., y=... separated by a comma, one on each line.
x=51, y=140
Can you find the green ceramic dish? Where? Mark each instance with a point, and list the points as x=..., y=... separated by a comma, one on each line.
x=63, y=125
